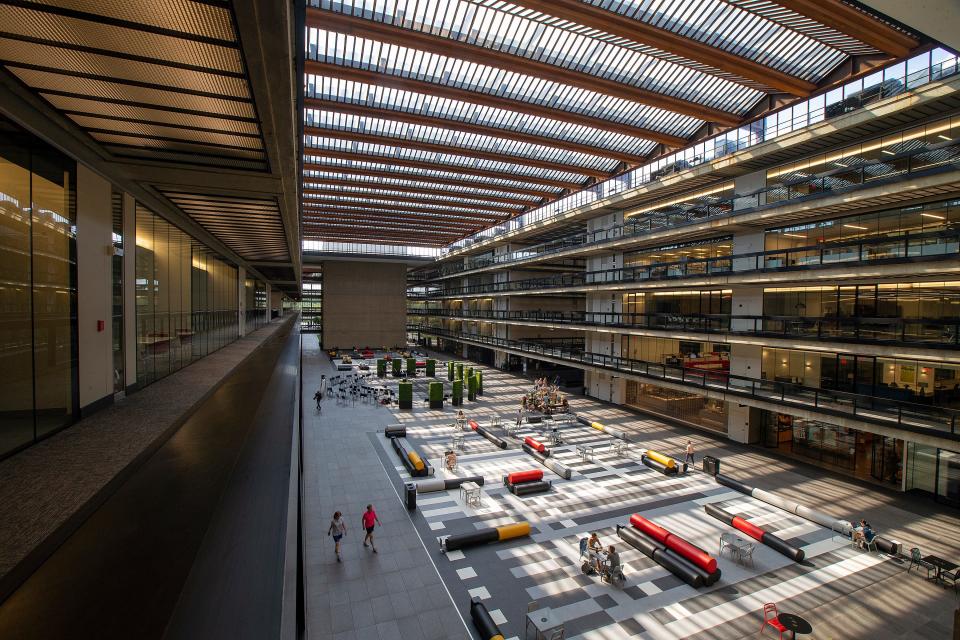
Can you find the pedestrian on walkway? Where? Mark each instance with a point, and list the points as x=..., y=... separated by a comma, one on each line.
x=519, y=416
x=338, y=529
x=318, y=397
x=323, y=386
x=369, y=520
x=689, y=456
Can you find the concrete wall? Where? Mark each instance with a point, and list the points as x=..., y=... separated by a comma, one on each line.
x=94, y=252
x=364, y=304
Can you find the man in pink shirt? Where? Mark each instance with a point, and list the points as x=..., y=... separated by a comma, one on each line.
x=369, y=519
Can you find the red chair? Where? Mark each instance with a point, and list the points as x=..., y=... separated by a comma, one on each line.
x=770, y=614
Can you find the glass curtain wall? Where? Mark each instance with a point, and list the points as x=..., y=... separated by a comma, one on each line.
x=187, y=299
x=116, y=267
x=38, y=290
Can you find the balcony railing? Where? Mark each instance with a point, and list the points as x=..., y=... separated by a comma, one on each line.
x=908, y=416
x=911, y=162
x=922, y=69
x=907, y=247
x=922, y=332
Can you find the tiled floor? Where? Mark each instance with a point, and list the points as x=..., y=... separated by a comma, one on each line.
x=653, y=604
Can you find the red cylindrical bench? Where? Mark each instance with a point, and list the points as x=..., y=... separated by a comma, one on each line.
x=691, y=552
x=473, y=424
x=537, y=446
x=519, y=477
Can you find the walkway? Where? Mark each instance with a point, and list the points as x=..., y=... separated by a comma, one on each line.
x=395, y=594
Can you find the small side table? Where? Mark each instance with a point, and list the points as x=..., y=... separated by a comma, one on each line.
x=794, y=624
x=542, y=624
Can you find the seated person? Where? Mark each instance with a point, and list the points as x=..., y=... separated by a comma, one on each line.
x=613, y=560
x=867, y=535
x=594, y=549
x=450, y=459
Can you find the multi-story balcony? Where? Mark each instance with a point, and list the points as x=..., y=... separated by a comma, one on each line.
x=836, y=259
x=919, y=418
x=934, y=333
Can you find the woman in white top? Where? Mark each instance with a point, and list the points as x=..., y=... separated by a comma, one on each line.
x=338, y=529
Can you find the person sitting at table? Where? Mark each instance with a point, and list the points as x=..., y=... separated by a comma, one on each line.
x=594, y=549
x=450, y=459
x=613, y=561
x=867, y=535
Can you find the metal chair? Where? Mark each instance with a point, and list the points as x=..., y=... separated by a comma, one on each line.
x=916, y=560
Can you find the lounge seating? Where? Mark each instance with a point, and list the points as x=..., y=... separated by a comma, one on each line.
x=951, y=578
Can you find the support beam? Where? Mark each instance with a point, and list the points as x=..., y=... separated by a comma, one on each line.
x=376, y=235
x=323, y=182
x=410, y=38
x=437, y=166
x=434, y=147
x=365, y=111
x=856, y=24
x=619, y=25
x=474, y=97
x=482, y=218
x=395, y=198
x=384, y=228
x=543, y=192
x=310, y=220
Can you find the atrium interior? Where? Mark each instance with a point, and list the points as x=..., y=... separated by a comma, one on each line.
x=479, y=319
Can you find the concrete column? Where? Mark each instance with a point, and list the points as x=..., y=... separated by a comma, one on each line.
x=747, y=184
x=130, y=289
x=745, y=301
x=738, y=422
x=747, y=243
x=94, y=288
x=241, y=301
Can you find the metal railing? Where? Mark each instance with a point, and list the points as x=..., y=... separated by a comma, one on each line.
x=908, y=416
x=918, y=71
x=924, y=332
x=911, y=162
x=906, y=247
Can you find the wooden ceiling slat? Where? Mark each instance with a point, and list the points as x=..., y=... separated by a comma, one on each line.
x=478, y=129
x=485, y=99
x=395, y=198
x=410, y=38
x=421, y=190
x=434, y=147
x=857, y=24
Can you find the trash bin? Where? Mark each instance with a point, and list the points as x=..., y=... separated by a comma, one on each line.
x=711, y=465
x=410, y=493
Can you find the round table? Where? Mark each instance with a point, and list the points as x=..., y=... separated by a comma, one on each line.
x=795, y=624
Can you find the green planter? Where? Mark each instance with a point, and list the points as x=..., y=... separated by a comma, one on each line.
x=457, y=395
x=381, y=368
x=431, y=368
x=436, y=395
x=469, y=372
x=396, y=367
x=405, y=395
x=459, y=371
x=472, y=388
x=450, y=371
x=479, y=375
x=411, y=367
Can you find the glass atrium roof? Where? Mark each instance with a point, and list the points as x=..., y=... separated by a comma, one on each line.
x=488, y=107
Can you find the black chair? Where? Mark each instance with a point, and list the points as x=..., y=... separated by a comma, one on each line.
x=916, y=560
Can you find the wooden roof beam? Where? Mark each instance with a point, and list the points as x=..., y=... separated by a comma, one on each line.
x=412, y=39
x=422, y=190
x=334, y=207
x=373, y=195
x=544, y=192
x=856, y=24
x=436, y=166
x=434, y=147
x=365, y=111
x=318, y=218
x=619, y=25
x=487, y=100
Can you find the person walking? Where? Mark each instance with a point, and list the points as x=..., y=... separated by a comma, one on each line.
x=370, y=519
x=337, y=529
x=688, y=458
x=323, y=386
x=519, y=416
x=318, y=397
